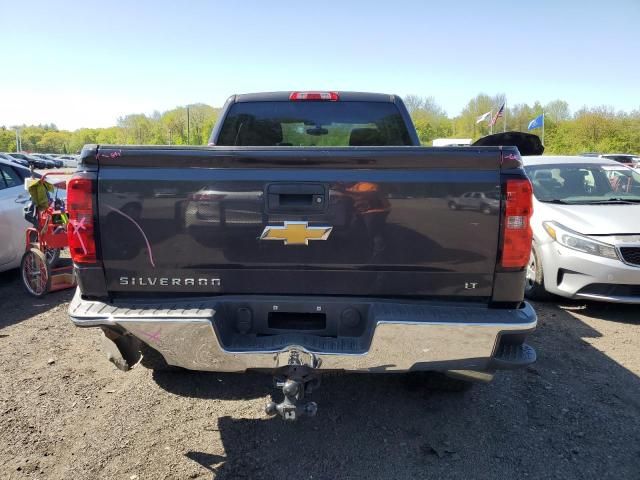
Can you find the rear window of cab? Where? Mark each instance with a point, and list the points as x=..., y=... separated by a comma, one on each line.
x=309, y=124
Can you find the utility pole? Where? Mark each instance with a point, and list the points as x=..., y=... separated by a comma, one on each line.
x=188, y=128
x=18, y=142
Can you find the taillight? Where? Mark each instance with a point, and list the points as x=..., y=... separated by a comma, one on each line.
x=516, y=244
x=80, y=231
x=314, y=96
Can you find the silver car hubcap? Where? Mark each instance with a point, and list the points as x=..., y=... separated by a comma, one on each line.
x=531, y=271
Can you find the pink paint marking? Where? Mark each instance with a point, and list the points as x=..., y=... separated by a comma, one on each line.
x=114, y=154
x=153, y=336
x=77, y=227
x=146, y=240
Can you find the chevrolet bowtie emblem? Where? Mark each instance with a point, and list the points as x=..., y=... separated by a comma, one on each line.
x=295, y=233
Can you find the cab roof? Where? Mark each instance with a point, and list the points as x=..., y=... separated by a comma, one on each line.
x=284, y=97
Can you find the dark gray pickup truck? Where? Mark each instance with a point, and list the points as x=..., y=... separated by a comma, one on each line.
x=312, y=235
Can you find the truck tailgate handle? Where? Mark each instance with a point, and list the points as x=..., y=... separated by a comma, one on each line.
x=296, y=197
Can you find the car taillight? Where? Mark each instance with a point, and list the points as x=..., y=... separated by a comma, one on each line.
x=80, y=231
x=314, y=96
x=516, y=244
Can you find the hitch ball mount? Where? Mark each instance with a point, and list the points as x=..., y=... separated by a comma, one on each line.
x=295, y=385
x=290, y=408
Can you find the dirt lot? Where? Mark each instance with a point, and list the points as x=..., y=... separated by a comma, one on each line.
x=65, y=412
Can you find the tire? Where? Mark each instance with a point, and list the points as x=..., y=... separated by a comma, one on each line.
x=486, y=209
x=35, y=273
x=534, y=288
x=453, y=206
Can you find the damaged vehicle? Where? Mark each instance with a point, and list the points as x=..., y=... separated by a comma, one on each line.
x=313, y=235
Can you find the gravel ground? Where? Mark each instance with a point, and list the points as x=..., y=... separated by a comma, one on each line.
x=65, y=412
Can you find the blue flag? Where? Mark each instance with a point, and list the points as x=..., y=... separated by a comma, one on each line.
x=536, y=122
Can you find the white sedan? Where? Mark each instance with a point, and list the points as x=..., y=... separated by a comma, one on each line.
x=586, y=229
x=13, y=198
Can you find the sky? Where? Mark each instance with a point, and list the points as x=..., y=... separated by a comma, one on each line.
x=86, y=63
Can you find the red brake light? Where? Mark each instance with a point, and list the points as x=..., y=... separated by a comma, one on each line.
x=80, y=231
x=516, y=244
x=314, y=96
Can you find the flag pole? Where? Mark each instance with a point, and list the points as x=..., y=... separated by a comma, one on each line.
x=543, y=128
x=491, y=122
x=504, y=125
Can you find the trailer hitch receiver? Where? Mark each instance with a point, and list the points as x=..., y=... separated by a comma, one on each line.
x=296, y=381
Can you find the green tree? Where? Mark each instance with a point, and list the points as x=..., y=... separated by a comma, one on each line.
x=7, y=140
x=429, y=119
x=82, y=137
x=110, y=136
x=201, y=118
x=54, y=142
x=465, y=124
x=557, y=111
x=137, y=128
x=174, y=123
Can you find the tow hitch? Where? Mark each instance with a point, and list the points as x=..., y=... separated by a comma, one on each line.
x=295, y=384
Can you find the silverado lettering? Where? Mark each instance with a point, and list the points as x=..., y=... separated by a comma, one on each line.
x=166, y=281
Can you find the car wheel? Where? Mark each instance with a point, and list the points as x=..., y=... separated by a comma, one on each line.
x=486, y=209
x=453, y=206
x=534, y=285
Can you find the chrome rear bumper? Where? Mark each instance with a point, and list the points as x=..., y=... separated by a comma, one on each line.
x=403, y=336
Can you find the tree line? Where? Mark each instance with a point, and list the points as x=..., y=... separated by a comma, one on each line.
x=592, y=129
x=167, y=128
x=589, y=129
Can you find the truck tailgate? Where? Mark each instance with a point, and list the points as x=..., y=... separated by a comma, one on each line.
x=375, y=221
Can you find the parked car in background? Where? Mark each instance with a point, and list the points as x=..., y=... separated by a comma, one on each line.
x=451, y=142
x=632, y=161
x=56, y=162
x=17, y=161
x=13, y=198
x=68, y=161
x=586, y=229
x=485, y=202
x=35, y=161
x=628, y=159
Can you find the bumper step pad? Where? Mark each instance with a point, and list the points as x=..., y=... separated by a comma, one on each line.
x=514, y=356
